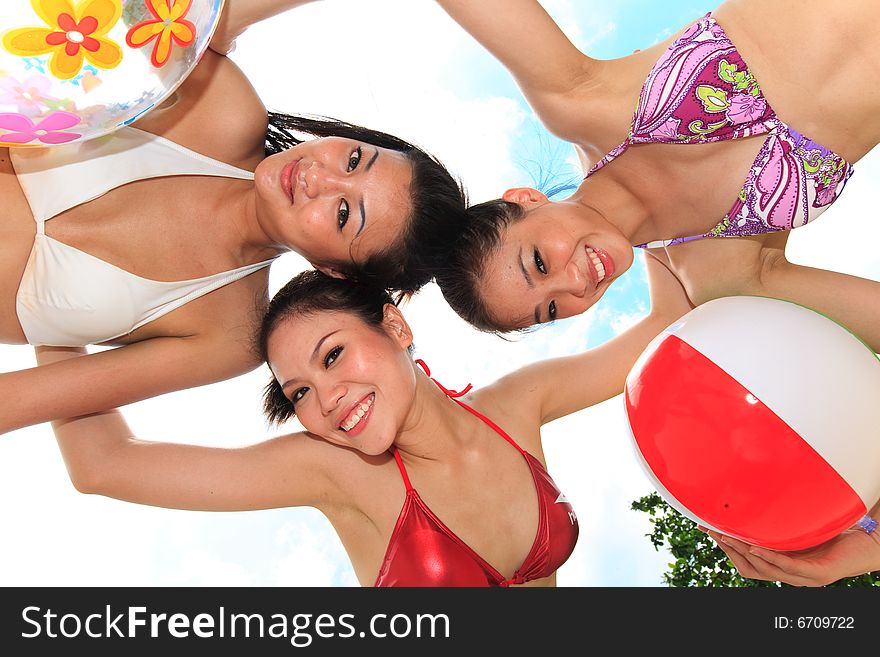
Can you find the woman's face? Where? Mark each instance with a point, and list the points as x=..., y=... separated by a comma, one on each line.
x=334, y=200
x=351, y=384
x=554, y=262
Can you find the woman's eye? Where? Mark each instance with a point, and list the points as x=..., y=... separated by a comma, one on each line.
x=342, y=215
x=354, y=159
x=551, y=310
x=539, y=263
x=298, y=395
x=331, y=356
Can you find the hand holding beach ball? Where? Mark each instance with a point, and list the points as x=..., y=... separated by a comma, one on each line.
x=71, y=70
x=760, y=419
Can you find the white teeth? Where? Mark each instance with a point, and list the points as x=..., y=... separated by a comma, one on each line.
x=597, y=265
x=359, y=413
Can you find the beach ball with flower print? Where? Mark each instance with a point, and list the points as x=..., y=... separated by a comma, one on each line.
x=71, y=70
x=759, y=418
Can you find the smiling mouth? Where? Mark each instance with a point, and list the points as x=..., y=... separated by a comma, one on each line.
x=358, y=413
x=597, y=265
x=288, y=173
x=602, y=264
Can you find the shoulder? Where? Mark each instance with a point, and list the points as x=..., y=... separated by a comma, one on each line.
x=354, y=481
x=216, y=112
x=322, y=474
x=515, y=415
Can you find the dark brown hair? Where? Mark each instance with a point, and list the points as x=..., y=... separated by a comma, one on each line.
x=437, y=201
x=308, y=293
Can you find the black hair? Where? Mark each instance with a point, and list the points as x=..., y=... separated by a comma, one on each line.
x=307, y=293
x=461, y=275
x=438, y=203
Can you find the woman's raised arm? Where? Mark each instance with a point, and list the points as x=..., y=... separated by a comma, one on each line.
x=851, y=300
x=238, y=15
x=523, y=36
x=548, y=68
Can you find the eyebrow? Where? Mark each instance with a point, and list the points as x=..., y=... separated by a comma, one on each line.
x=313, y=356
x=522, y=268
x=530, y=283
x=372, y=159
x=361, y=201
x=363, y=216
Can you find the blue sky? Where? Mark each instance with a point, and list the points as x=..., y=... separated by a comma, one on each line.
x=414, y=73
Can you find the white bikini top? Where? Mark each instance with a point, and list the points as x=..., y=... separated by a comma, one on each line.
x=70, y=298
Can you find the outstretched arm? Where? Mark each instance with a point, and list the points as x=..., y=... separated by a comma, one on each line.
x=107, y=379
x=526, y=40
x=523, y=36
x=850, y=300
x=104, y=457
x=560, y=386
x=238, y=15
x=758, y=266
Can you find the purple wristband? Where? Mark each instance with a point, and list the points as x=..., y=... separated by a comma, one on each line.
x=868, y=524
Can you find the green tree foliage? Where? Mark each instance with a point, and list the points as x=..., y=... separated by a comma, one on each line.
x=698, y=561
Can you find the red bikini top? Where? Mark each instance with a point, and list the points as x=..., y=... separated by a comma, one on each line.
x=425, y=552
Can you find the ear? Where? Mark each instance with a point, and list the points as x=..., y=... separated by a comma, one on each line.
x=525, y=196
x=396, y=326
x=328, y=271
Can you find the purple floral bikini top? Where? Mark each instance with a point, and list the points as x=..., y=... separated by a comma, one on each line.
x=702, y=91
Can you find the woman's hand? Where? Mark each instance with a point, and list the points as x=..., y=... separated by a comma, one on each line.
x=850, y=554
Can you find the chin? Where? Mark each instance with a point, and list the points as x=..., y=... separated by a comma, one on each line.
x=374, y=450
x=376, y=446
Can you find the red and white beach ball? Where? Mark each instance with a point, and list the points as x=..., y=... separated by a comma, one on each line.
x=760, y=419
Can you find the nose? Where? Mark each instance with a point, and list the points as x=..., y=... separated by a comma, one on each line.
x=330, y=396
x=317, y=179
x=571, y=280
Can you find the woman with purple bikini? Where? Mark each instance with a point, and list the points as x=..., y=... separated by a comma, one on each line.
x=704, y=151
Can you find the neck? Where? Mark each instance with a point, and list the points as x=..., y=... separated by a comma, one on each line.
x=615, y=204
x=248, y=238
x=435, y=426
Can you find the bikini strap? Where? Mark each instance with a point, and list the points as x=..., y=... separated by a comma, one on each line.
x=402, y=469
x=501, y=432
x=614, y=153
x=454, y=395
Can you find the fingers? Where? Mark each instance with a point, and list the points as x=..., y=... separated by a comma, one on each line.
x=738, y=554
x=778, y=559
x=739, y=561
x=759, y=563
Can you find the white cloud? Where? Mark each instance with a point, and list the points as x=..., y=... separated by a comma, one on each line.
x=622, y=321
x=313, y=555
x=590, y=455
x=584, y=26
